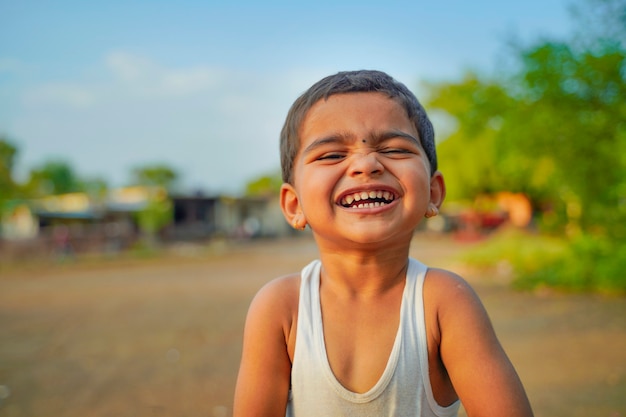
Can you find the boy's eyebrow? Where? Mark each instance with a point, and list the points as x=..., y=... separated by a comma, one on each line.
x=376, y=139
x=334, y=138
x=390, y=134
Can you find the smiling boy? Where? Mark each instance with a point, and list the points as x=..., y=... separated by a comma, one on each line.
x=366, y=330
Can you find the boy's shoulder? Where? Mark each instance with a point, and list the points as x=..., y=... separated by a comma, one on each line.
x=440, y=282
x=282, y=290
x=277, y=300
x=275, y=309
x=450, y=301
x=447, y=293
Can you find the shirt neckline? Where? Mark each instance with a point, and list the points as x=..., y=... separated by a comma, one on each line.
x=384, y=380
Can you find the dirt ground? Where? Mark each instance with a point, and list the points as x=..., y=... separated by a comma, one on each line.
x=162, y=337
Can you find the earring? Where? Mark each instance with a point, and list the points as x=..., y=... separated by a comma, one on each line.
x=432, y=211
x=296, y=224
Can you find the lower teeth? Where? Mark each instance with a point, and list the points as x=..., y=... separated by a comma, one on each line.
x=370, y=205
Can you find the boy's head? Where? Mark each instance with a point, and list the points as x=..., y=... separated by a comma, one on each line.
x=353, y=82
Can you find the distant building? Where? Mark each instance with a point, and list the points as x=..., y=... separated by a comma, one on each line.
x=18, y=222
x=195, y=218
x=110, y=224
x=200, y=217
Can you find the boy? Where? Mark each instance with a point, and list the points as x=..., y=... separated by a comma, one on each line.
x=367, y=331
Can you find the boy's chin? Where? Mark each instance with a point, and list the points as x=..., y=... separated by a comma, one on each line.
x=371, y=237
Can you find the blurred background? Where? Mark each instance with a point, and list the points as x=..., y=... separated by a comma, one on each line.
x=145, y=135
x=126, y=124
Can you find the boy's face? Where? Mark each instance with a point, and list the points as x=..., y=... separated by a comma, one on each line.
x=361, y=174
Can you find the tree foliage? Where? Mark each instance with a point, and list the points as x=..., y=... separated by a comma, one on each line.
x=51, y=178
x=555, y=130
x=572, y=109
x=8, y=153
x=160, y=175
x=159, y=211
x=469, y=155
x=157, y=214
x=265, y=185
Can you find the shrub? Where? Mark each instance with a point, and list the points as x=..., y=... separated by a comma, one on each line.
x=589, y=263
x=586, y=263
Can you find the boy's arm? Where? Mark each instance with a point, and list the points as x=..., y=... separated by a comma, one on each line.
x=479, y=369
x=265, y=370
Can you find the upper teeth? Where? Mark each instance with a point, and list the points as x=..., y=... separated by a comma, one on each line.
x=365, y=195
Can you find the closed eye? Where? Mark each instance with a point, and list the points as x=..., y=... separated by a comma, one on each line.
x=330, y=156
x=391, y=151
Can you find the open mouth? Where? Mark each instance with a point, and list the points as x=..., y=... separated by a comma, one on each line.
x=367, y=199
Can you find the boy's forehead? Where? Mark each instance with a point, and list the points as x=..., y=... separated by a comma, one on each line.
x=337, y=106
x=360, y=95
x=371, y=118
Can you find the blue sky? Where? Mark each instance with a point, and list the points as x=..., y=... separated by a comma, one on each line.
x=204, y=86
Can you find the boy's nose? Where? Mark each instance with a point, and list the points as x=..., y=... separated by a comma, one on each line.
x=366, y=163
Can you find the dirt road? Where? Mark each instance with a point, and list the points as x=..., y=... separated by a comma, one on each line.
x=162, y=337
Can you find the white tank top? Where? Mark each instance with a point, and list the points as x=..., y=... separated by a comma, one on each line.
x=404, y=387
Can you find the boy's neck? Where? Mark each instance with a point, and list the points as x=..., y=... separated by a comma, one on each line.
x=362, y=272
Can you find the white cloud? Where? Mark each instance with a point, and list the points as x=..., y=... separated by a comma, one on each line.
x=132, y=78
x=127, y=67
x=11, y=65
x=190, y=81
x=66, y=94
x=146, y=78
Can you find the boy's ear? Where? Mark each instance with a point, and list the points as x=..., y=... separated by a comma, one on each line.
x=437, y=189
x=290, y=205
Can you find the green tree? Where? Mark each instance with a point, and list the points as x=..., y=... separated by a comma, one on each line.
x=469, y=156
x=571, y=107
x=158, y=212
x=96, y=187
x=265, y=185
x=51, y=178
x=160, y=175
x=8, y=153
x=554, y=128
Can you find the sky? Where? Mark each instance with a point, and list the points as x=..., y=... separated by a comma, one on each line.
x=204, y=86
